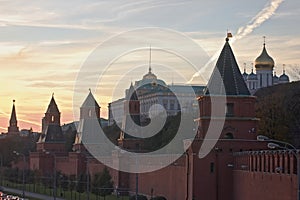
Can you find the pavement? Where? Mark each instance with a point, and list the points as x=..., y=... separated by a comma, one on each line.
x=29, y=194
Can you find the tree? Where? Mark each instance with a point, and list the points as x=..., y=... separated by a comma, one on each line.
x=278, y=110
x=102, y=183
x=81, y=184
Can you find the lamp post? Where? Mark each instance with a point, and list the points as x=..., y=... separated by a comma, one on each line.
x=23, y=172
x=276, y=144
x=136, y=186
x=54, y=173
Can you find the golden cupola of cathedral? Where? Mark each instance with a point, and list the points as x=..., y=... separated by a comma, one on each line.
x=264, y=61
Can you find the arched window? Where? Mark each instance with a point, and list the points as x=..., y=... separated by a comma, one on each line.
x=90, y=113
x=52, y=118
x=228, y=136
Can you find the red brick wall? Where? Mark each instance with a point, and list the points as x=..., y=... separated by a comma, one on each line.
x=169, y=182
x=264, y=186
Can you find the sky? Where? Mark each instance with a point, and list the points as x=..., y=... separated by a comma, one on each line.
x=45, y=44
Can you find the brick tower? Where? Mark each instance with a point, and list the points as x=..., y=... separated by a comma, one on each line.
x=211, y=176
x=52, y=138
x=131, y=119
x=89, y=111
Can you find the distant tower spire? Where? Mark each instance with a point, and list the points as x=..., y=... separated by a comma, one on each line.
x=252, y=67
x=13, y=122
x=264, y=37
x=150, y=60
x=245, y=65
x=283, y=68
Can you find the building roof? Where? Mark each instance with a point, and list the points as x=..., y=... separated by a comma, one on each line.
x=252, y=76
x=226, y=77
x=275, y=78
x=53, y=133
x=131, y=94
x=52, y=107
x=264, y=61
x=245, y=75
x=13, y=117
x=149, y=80
x=284, y=77
x=90, y=101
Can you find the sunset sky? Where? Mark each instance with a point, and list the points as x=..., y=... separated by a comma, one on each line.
x=43, y=44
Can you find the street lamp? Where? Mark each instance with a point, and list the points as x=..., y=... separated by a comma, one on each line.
x=272, y=145
x=276, y=144
x=54, y=173
x=23, y=171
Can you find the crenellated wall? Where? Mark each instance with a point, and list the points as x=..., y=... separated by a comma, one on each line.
x=265, y=175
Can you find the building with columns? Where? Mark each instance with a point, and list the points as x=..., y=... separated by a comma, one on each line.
x=153, y=91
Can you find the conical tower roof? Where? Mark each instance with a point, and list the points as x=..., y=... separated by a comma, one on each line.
x=226, y=77
x=52, y=107
x=13, y=116
x=90, y=101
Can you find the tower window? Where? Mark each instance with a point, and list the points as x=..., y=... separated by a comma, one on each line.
x=212, y=167
x=172, y=103
x=90, y=113
x=228, y=136
x=230, y=109
x=52, y=118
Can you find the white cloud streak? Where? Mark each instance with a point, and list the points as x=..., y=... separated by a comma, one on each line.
x=265, y=14
x=260, y=18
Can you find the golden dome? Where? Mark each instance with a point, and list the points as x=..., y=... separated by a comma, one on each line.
x=264, y=61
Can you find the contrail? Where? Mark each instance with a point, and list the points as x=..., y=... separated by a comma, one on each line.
x=243, y=31
x=22, y=120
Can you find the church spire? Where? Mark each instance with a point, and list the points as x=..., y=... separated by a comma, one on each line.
x=13, y=122
x=150, y=69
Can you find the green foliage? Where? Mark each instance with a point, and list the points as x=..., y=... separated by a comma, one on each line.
x=81, y=184
x=278, y=108
x=72, y=184
x=16, y=143
x=102, y=183
x=63, y=182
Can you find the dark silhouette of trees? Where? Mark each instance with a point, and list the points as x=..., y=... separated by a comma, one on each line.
x=278, y=108
x=102, y=183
